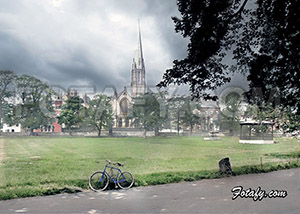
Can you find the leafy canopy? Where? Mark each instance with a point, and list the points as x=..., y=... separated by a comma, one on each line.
x=100, y=113
x=70, y=112
x=34, y=107
x=262, y=35
x=7, y=79
x=146, y=112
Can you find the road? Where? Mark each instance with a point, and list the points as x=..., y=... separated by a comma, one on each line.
x=205, y=196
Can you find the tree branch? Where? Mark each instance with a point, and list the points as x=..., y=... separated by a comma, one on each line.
x=241, y=8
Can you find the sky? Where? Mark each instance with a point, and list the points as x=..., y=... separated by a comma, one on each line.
x=88, y=43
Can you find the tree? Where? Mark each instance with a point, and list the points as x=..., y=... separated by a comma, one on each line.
x=230, y=115
x=8, y=110
x=100, y=113
x=208, y=25
x=284, y=119
x=291, y=121
x=71, y=113
x=7, y=79
x=175, y=108
x=264, y=40
x=34, y=108
x=272, y=53
x=190, y=118
x=182, y=110
x=146, y=113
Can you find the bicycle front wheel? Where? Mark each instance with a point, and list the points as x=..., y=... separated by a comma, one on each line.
x=98, y=181
x=125, y=180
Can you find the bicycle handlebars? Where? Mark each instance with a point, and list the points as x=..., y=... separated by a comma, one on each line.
x=117, y=163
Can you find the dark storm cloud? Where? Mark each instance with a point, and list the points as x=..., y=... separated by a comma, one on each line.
x=69, y=42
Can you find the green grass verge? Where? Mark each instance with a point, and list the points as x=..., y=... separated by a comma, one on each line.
x=36, y=166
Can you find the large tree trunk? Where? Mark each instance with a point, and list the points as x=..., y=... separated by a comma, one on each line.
x=178, y=123
x=156, y=131
x=145, y=132
x=31, y=132
x=99, y=132
x=70, y=130
x=110, y=131
x=191, y=129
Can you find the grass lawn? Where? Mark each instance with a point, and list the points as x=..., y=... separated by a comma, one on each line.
x=38, y=165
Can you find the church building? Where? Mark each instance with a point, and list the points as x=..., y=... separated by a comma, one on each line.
x=123, y=101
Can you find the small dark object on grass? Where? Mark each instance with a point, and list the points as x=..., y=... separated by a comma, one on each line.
x=224, y=166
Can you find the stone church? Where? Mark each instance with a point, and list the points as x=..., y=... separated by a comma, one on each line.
x=123, y=101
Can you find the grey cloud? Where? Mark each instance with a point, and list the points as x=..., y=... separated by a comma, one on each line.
x=76, y=43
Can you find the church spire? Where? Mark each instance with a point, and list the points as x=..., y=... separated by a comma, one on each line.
x=139, y=59
x=138, y=80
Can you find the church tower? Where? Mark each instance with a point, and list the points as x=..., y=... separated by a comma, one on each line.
x=138, y=80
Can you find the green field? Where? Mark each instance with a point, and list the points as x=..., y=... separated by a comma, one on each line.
x=40, y=166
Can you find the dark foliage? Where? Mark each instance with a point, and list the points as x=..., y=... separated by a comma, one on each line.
x=264, y=37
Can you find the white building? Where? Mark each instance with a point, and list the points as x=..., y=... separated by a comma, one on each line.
x=14, y=128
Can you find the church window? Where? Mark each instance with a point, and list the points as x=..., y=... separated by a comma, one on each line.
x=124, y=106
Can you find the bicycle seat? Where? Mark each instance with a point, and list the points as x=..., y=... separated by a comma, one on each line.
x=119, y=164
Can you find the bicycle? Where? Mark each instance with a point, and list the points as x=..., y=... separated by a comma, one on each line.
x=99, y=180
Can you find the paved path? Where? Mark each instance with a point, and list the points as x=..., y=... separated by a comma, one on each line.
x=206, y=196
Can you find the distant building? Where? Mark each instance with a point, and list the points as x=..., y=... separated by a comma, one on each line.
x=14, y=128
x=57, y=107
x=55, y=126
x=6, y=109
x=209, y=115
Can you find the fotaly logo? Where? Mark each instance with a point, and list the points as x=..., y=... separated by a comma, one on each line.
x=257, y=194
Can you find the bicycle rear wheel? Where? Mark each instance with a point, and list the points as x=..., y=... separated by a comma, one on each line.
x=125, y=180
x=98, y=181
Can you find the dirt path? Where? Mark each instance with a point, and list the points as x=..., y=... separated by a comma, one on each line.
x=2, y=153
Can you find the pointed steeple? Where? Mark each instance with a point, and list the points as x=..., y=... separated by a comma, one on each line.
x=139, y=59
x=138, y=80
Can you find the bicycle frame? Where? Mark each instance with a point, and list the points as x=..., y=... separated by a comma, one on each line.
x=112, y=179
x=99, y=180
